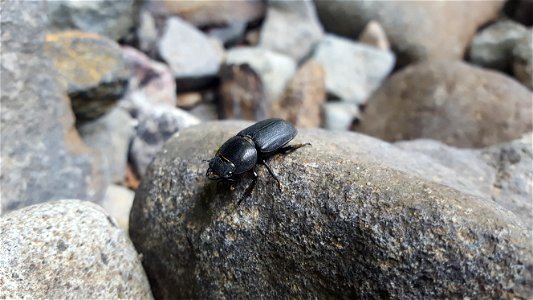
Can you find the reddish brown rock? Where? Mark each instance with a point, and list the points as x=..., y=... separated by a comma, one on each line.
x=453, y=102
x=301, y=104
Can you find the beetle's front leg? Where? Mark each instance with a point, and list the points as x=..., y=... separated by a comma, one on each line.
x=291, y=148
x=250, y=188
x=271, y=173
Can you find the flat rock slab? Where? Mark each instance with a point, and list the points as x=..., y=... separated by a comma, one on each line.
x=354, y=220
x=68, y=249
x=42, y=156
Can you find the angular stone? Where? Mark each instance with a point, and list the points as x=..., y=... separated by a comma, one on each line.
x=374, y=35
x=152, y=82
x=42, y=156
x=302, y=101
x=92, y=70
x=417, y=30
x=68, y=249
x=353, y=70
x=242, y=93
x=188, y=51
x=291, y=28
x=106, y=17
x=453, y=102
x=274, y=69
x=356, y=217
x=209, y=13
x=111, y=136
x=493, y=46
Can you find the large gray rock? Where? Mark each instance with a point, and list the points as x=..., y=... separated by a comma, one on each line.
x=493, y=46
x=291, y=28
x=353, y=70
x=68, y=249
x=188, y=51
x=42, y=156
x=356, y=218
x=418, y=30
x=274, y=69
x=456, y=103
x=106, y=17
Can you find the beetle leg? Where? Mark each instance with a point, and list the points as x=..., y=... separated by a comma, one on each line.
x=271, y=172
x=291, y=148
x=250, y=188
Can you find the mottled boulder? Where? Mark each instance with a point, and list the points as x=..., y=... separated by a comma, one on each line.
x=356, y=218
x=418, y=30
x=353, y=70
x=68, y=249
x=91, y=68
x=42, y=156
x=106, y=17
x=154, y=127
x=209, y=13
x=291, y=28
x=493, y=46
x=453, y=102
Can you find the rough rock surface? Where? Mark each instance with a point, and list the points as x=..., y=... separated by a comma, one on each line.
x=110, y=18
x=523, y=60
x=42, y=156
x=502, y=172
x=111, y=135
x=302, y=101
x=418, y=30
x=353, y=70
x=291, y=28
x=188, y=51
x=91, y=68
x=493, y=46
x=68, y=249
x=209, y=13
x=355, y=219
x=274, y=69
x=453, y=102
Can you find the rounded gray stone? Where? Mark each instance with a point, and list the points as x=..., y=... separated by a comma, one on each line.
x=68, y=249
x=356, y=218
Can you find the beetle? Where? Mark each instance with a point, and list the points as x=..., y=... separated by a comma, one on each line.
x=250, y=147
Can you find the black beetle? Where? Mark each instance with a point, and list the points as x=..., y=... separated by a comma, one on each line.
x=252, y=146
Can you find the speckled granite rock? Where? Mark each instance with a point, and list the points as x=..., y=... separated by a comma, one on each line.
x=68, y=249
x=91, y=68
x=456, y=103
x=357, y=218
x=42, y=156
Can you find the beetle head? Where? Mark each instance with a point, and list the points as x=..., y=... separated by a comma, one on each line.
x=220, y=168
